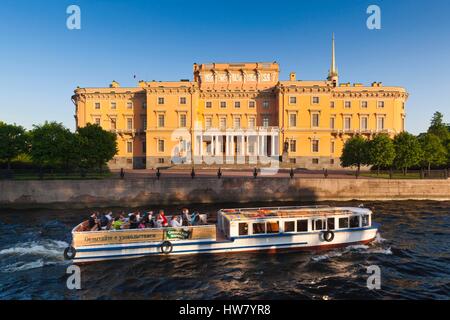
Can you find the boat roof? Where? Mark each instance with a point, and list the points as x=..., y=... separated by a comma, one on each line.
x=264, y=213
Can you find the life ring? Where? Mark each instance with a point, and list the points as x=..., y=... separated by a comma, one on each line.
x=70, y=253
x=328, y=235
x=166, y=247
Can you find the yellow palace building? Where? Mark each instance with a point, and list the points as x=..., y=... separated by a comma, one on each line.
x=240, y=113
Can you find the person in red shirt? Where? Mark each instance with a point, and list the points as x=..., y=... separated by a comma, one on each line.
x=162, y=220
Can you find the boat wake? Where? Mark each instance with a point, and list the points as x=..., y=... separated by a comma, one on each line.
x=32, y=255
x=373, y=248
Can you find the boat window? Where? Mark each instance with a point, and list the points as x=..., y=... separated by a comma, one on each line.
x=273, y=227
x=302, y=225
x=243, y=229
x=343, y=223
x=289, y=226
x=365, y=220
x=259, y=227
x=330, y=223
x=319, y=224
x=354, y=222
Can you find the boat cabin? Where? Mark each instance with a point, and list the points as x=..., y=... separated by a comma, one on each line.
x=249, y=222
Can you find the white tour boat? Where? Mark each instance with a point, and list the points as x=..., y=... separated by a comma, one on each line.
x=236, y=230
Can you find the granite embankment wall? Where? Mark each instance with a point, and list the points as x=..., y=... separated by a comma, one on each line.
x=140, y=192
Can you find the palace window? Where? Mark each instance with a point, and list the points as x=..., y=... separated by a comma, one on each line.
x=97, y=105
x=144, y=123
x=144, y=146
x=208, y=122
x=315, y=161
x=223, y=104
x=364, y=123
x=208, y=104
x=183, y=120
x=332, y=122
x=160, y=145
x=292, y=100
x=265, y=121
x=129, y=105
x=97, y=121
x=289, y=226
x=302, y=225
x=161, y=121
x=364, y=104
x=259, y=228
x=380, y=123
x=237, y=122
x=266, y=104
x=293, y=145
x=380, y=104
x=161, y=100
x=347, y=123
x=144, y=105
x=314, y=120
x=129, y=146
x=243, y=229
x=252, y=122
x=251, y=104
x=292, y=120
x=182, y=100
x=237, y=104
x=113, y=123
x=332, y=146
x=113, y=105
x=223, y=123
x=315, y=145
x=348, y=104
x=160, y=160
x=129, y=123
x=332, y=104
x=315, y=100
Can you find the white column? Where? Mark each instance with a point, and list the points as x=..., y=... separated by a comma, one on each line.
x=227, y=145
x=272, y=153
x=201, y=145
x=242, y=145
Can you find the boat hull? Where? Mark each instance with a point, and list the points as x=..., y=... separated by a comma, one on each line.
x=270, y=243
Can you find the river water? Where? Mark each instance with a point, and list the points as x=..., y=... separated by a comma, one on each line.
x=412, y=251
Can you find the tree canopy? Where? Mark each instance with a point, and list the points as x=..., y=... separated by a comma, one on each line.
x=434, y=153
x=13, y=142
x=355, y=153
x=408, y=151
x=381, y=151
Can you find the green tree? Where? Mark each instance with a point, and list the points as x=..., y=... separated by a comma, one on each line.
x=408, y=152
x=439, y=128
x=13, y=141
x=52, y=144
x=434, y=153
x=381, y=151
x=355, y=153
x=97, y=146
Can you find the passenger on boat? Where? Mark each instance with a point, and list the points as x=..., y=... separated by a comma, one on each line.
x=117, y=223
x=134, y=223
x=185, y=217
x=93, y=222
x=174, y=223
x=162, y=220
x=104, y=222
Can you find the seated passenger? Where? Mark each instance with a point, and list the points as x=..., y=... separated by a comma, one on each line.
x=117, y=224
x=104, y=222
x=134, y=223
x=162, y=220
x=195, y=219
x=92, y=222
x=174, y=223
x=185, y=217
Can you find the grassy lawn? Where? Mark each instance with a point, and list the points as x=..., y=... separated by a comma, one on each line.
x=396, y=175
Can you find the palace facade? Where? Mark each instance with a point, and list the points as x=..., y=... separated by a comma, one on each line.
x=240, y=113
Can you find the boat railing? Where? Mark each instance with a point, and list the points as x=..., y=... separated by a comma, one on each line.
x=241, y=210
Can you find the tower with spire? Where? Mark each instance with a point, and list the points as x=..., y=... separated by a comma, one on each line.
x=333, y=72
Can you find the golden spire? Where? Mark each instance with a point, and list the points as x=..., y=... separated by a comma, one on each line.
x=333, y=73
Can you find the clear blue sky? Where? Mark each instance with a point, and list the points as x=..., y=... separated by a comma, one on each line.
x=41, y=61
